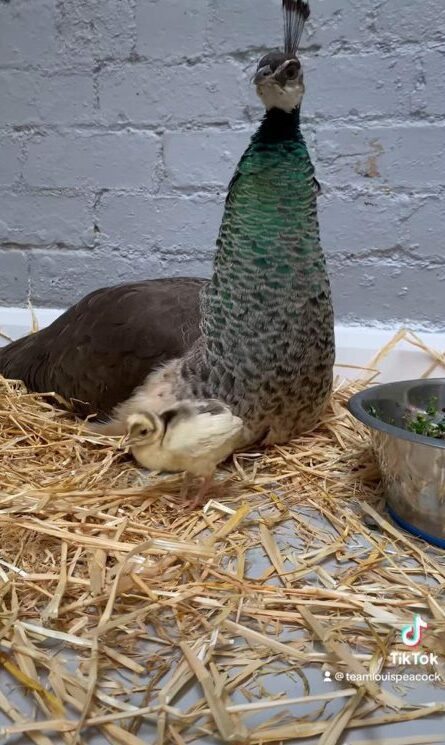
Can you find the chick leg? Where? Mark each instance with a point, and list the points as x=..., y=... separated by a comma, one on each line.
x=203, y=492
x=186, y=485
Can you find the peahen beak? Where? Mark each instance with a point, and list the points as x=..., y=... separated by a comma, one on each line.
x=262, y=75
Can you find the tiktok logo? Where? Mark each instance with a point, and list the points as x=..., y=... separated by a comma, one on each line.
x=412, y=635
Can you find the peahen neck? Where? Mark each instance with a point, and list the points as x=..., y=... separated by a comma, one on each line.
x=269, y=269
x=269, y=236
x=279, y=125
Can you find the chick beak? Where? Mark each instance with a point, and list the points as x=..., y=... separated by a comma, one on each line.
x=126, y=441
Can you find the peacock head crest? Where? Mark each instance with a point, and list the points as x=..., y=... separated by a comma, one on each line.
x=279, y=76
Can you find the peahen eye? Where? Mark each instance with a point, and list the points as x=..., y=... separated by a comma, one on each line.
x=292, y=70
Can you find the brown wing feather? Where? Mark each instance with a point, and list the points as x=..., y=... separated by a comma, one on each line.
x=103, y=347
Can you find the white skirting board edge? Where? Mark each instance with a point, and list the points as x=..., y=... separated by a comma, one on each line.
x=356, y=345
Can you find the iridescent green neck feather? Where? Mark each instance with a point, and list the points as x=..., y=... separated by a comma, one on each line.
x=267, y=317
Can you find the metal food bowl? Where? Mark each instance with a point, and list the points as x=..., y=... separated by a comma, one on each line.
x=412, y=465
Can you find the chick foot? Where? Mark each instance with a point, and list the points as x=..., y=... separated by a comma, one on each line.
x=207, y=487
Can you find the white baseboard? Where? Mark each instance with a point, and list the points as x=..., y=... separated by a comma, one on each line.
x=16, y=322
x=356, y=345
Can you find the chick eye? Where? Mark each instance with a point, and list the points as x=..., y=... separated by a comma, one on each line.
x=144, y=432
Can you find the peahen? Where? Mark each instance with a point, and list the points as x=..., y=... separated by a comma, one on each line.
x=266, y=341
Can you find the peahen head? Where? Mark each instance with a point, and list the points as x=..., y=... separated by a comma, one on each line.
x=279, y=76
x=279, y=81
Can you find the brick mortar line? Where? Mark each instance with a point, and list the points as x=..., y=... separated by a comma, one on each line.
x=327, y=124
x=239, y=57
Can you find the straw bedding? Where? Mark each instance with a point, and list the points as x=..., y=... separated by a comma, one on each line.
x=291, y=568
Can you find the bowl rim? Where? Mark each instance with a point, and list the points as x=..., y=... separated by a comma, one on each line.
x=355, y=406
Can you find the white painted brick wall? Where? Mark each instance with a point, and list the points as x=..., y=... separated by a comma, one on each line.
x=97, y=160
x=121, y=122
x=147, y=225
x=46, y=220
x=33, y=97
